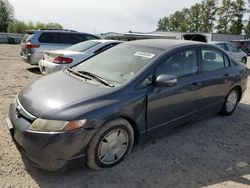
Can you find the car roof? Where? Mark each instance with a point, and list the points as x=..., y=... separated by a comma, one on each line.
x=242, y=40
x=216, y=42
x=162, y=43
x=106, y=41
x=56, y=31
x=220, y=42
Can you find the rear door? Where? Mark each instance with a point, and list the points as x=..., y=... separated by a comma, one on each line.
x=233, y=52
x=217, y=77
x=169, y=106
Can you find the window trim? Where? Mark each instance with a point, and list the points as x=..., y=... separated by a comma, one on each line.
x=218, y=50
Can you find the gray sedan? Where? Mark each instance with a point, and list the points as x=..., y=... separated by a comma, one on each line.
x=238, y=55
x=57, y=60
x=98, y=110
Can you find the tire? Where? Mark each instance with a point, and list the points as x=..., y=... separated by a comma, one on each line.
x=110, y=144
x=230, y=102
x=244, y=60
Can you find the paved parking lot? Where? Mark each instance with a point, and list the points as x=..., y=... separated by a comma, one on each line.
x=214, y=152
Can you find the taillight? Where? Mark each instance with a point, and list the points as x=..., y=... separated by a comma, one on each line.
x=30, y=45
x=62, y=60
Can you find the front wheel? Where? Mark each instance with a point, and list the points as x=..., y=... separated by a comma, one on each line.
x=110, y=145
x=230, y=103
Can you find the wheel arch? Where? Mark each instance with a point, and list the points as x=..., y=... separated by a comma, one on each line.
x=131, y=122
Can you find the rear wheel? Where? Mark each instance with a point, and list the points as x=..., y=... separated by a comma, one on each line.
x=110, y=145
x=230, y=103
x=244, y=60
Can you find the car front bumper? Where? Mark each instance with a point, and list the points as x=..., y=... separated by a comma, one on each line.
x=49, y=67
x=48, y=151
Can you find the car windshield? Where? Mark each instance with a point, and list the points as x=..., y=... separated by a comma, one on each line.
x=120, y=63
x=83, y=46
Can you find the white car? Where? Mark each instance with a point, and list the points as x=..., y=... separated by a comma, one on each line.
x=61, y=59
x=236, y=54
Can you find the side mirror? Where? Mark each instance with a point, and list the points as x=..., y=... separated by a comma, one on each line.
x=165, y=80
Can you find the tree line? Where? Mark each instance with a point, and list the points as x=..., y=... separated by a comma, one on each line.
x=8, y=23
x=224, y=16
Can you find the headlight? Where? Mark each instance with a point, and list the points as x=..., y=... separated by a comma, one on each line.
x=44, y=125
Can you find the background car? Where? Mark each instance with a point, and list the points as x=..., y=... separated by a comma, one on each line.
x=235, y=53
x=243, y=45
x=34, y=43
x=60, y=59
x=97, y=110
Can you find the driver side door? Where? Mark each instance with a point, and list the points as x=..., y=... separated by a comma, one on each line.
x=170, y=106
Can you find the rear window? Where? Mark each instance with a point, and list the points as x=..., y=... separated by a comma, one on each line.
x=64, y=38
x=83, y=46
x=27, y=38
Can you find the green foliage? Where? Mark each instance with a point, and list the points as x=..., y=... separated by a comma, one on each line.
x=21, y=27
x=6, y=14
x=231, y=17
x=194, y=18
x=247, y=28
x=163, y=24
x=207, y=16
x=199, y=18
x=9, y=24
x=238, y=11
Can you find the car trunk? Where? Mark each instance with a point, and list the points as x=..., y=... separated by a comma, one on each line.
x=49, y=56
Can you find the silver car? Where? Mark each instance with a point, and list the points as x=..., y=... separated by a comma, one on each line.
x=61, y=59
x=34, y=43
x=236, y=54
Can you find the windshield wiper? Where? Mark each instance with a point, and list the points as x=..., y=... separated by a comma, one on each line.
x=78, y=74
x=98, y=78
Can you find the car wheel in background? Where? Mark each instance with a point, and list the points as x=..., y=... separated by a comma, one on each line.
x=230, y=103
x=244, y=60
x=110, y=145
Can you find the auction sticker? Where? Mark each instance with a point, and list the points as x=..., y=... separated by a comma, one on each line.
x=144, y=54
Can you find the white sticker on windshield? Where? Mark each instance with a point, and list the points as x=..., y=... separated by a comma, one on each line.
x=144, y=54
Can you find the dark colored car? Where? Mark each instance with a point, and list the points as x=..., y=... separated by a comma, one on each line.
x=99, y=109
x=235, y=53
x=243, y=45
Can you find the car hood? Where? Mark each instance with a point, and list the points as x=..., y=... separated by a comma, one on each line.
x=53, y=92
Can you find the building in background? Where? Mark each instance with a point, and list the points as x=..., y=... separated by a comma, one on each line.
x=203, y=37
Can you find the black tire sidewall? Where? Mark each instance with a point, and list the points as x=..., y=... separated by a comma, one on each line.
x=93, y=161
x=98, y=162
x=224, y=109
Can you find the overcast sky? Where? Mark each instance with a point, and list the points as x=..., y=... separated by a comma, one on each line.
x=97, y=16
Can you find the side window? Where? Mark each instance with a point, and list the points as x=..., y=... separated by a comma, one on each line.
x=148, y=81
x=231, y=48
x=221, y=46
x=90, y=37
x=180, y=64
x=68, y=38
x=48, y=38
x=212, y=59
